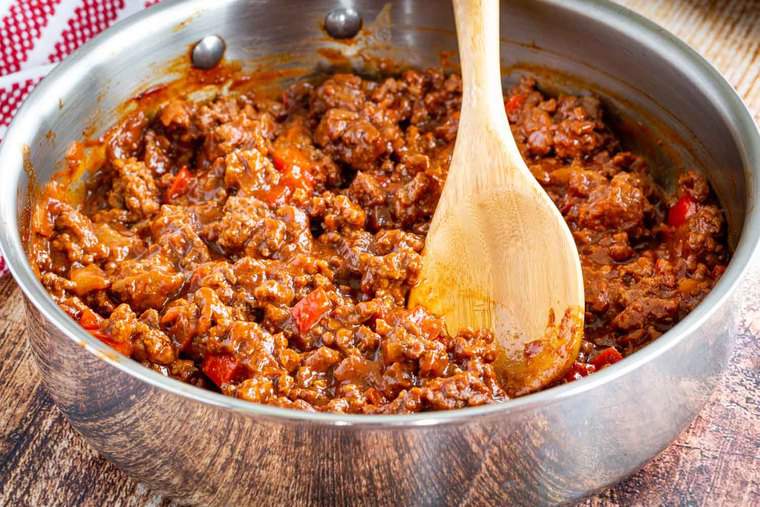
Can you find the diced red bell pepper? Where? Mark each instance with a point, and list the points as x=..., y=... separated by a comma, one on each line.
x=514, y=103
x=295, y=169
x=90, y=320
x=295, y=175
x=221, y=368
x=681, y=210
x=288, y=155
x=279, y=163
x=123, y=347
x=579, y=370
x=180, y=185
x=310, y=309
x=432, y=328
x=608, y=356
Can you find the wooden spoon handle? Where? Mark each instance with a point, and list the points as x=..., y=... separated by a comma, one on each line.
x=483, y=123
x=478, y=35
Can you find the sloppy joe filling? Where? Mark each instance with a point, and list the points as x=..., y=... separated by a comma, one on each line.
x=265, y=247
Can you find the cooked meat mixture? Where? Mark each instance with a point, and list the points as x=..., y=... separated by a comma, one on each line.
x=265, y=248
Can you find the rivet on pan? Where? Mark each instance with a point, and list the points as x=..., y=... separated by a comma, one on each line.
x=208, y=52
x=343, y=23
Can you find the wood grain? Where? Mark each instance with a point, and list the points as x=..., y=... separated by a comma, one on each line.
x=714, y=462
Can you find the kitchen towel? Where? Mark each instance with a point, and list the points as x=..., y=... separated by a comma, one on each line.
x=37, y=34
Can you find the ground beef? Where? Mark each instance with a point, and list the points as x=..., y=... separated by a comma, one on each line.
x=265, y=247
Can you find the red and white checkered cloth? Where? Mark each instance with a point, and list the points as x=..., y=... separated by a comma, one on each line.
x=37, y=34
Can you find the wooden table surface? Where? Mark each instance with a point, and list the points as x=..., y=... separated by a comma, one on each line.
x=716, y=461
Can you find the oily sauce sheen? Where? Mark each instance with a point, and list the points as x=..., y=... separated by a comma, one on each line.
x=265, y=248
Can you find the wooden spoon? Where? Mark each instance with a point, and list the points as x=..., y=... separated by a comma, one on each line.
x=498, y=254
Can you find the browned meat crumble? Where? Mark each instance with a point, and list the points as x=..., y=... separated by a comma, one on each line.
x=265, y=248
